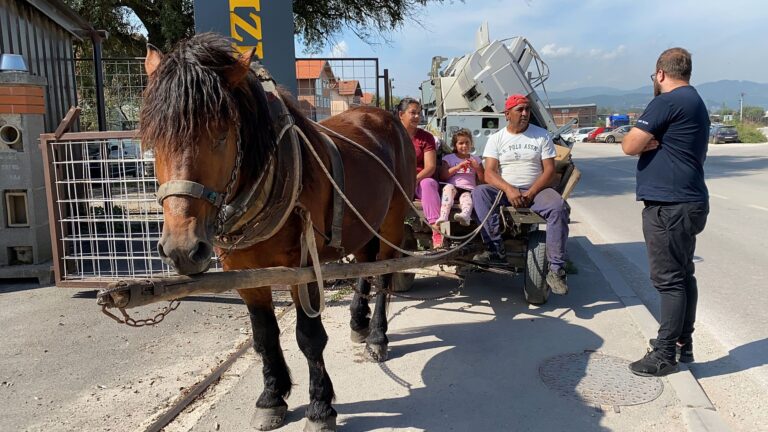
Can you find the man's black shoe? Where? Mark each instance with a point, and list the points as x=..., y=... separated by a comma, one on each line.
x=653, y=364
x=557, y=282
x=490, y=258
x=684, y=350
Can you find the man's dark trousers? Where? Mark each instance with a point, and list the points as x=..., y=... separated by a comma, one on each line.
x=547, y=203
x=670, y=231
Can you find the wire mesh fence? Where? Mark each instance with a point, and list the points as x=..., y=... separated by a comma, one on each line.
x=107, y=220
x=326, y=87
x=329, y=86
x=124, y=81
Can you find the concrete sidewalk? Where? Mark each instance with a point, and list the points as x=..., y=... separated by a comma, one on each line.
x=469, y=363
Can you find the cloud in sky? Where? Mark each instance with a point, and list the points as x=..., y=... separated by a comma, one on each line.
x=593, y=42
x=340, y=49
x=552, y=50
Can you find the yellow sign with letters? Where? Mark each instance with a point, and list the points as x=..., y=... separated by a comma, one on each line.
x=245, y=26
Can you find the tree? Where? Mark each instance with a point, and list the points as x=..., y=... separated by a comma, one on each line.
x=316, y=22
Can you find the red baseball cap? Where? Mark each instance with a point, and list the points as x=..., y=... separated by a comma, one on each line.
x=515, y=100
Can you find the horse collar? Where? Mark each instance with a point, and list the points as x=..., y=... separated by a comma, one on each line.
x=256, y=214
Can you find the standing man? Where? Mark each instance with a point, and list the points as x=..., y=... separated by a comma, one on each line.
x=520, y=161
x=671, y=139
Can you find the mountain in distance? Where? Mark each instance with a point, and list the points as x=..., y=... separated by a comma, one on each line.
x=715, y=94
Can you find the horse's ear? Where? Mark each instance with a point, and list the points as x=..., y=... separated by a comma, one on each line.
x=240, y=70
x=153, y=59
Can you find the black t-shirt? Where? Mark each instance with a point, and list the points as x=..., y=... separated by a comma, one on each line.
x=674, y=172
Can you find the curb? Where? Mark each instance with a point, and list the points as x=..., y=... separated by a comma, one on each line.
x=699, y=413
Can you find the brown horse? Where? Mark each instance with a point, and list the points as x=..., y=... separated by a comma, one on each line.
x=220, y=136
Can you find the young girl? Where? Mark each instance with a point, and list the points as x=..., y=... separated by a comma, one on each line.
x=462, y=171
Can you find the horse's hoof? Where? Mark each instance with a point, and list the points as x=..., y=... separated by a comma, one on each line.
x=377, y=353
x=359, y=336
x=265, y=419
x=327, y=425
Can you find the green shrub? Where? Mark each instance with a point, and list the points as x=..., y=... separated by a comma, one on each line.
x=749, y=133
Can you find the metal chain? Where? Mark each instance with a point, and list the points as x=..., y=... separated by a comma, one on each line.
x=157, y=319
x=232, y=180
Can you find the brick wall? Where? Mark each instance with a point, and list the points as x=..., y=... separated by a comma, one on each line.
x=21, y=99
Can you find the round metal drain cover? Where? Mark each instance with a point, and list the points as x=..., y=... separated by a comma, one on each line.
x=598, y=379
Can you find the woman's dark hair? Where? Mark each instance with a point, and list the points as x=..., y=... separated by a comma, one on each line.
x=405, y=102
x=463, y=132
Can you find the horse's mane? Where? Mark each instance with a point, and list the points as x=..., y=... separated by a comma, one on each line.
x=189, y=97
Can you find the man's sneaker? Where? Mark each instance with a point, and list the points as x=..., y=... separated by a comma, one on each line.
x=463, y=220
x=684, y=350
x=653, y=364
x=490, y=258
x=557, y=281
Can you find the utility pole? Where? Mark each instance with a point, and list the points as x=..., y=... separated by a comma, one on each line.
x=741, y=108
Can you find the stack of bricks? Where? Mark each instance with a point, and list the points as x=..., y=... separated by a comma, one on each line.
x=21, y=99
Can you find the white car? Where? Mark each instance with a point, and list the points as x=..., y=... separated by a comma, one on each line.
x=579, y=134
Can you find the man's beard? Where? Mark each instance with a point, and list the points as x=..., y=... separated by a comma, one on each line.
x=656, y=88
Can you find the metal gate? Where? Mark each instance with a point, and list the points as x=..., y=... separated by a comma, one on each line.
x=104, y=218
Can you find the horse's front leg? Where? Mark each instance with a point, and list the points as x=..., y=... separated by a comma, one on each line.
x=270, y=406
x=377, y=342
x=312, y=338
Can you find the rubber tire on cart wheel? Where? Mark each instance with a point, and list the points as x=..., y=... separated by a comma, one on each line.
x=536, y=288
x=402, y=282
x=610, y=139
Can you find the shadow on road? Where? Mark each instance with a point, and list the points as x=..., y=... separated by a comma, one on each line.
x=486, y=374
x=739, y=359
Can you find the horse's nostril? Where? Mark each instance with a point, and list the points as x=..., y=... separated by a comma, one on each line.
x=160, y=250
x=202, y=251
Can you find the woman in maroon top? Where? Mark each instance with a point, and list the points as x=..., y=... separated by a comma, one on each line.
x=409, y=111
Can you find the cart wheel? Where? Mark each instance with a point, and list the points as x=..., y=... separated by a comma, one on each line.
x=536, y=288
x=402, y=282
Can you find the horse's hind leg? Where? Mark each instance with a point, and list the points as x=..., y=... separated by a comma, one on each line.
x=312, y=338
x=392, y=229
x=270, y=406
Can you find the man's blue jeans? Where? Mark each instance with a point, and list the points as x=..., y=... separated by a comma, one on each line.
x=548, y=204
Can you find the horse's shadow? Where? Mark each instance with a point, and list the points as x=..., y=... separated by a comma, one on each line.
x=485, y=376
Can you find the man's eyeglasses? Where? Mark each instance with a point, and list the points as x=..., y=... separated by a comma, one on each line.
x=653, y=76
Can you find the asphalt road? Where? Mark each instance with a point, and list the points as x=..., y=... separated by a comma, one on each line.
x=731, y=342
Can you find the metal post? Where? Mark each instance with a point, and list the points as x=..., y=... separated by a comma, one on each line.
x=98, y=71
x=387, y=96
x=741, y=108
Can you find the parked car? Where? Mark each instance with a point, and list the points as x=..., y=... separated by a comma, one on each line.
x=596, y=132
x=615, y=135
x=723, y=134
x=579, y=134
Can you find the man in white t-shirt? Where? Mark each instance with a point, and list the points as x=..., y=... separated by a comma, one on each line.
x=519, y=160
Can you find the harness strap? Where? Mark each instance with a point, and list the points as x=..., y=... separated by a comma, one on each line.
x=188, y=188
x=308, y=244
x=337, y=168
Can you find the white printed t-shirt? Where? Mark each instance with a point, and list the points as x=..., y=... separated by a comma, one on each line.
x=520, y=155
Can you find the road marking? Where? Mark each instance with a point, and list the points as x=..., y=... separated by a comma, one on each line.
x=718, y=196
x=758, y=207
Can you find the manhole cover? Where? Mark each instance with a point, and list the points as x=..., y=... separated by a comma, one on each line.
x=599, y=379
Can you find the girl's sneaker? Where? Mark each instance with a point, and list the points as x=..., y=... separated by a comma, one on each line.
x=462, y=219
x=437, y=240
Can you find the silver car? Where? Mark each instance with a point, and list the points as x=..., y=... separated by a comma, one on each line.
x=613, y=136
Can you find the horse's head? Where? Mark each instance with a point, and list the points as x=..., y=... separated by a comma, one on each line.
x=200, y=108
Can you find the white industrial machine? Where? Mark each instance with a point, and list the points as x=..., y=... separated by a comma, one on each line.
x=471, y=90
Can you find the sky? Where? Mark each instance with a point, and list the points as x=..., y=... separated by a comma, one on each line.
x=585, y=43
